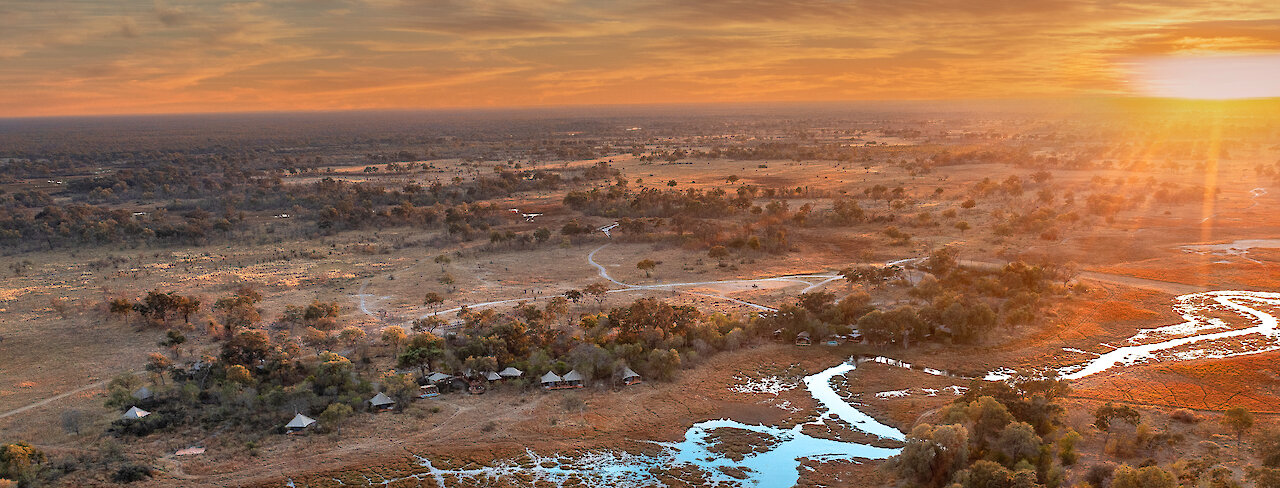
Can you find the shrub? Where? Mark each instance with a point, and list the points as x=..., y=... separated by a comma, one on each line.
x=130, y=473
x=1185, y=416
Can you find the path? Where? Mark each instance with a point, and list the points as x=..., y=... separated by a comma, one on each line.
x=54, y=398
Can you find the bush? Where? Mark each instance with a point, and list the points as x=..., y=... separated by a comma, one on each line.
x=130, y=473
x=1185, y=416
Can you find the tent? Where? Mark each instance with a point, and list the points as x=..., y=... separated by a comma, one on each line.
x=511, y=372
x=299, y=422
x=551, y=379
x=629, y=376
x=803, y=339
x=135, y=413
x=573, y=378
x=491, y=376
x=381, y=400
x=142, y=393
x=438, y=377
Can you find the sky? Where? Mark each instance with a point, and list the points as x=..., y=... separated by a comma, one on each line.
x=73, y=57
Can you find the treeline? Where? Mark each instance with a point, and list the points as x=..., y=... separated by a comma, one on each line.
x=215, y=206
x=951, y=304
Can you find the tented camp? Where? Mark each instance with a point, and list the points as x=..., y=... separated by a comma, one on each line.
x=629, y=376
x=135, y=413
x=573, y=379
x=491, y=376
x=299, y=423
x=143, y=393
x=803, y=339
x=551, y=380
x=382, y=402
x=511, y=372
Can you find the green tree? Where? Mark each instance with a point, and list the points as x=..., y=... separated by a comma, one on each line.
x=932, y=454
x=1017, y=442
x=1238, y=420
x=334, y=415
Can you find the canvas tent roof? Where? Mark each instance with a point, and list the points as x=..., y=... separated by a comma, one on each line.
x=573, y=376
x=136, y=413
x=511, y=372
x=627, y=372
x=491, y=376
x=802, y=334
x=300, y=421
x=381, y=399
x=142, y=393
x=551, y=377
x=438, y=377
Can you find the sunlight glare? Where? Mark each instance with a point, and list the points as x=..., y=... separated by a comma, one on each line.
x=1221, y=77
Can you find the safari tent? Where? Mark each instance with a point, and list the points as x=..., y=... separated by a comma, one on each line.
x=299, y=423
x=511, y=372
x=135, y=413
x=551, y=380
x=382, y=402
x=629, y=376
x=573, y=379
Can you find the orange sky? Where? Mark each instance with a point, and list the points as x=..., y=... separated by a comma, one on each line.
x=63, y=57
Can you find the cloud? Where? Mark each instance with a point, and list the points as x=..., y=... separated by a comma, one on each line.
x=149, y=55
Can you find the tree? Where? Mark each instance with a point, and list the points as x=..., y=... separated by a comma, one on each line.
x=932, y=455
x=597, y=291
x=248, y=348
x=239, y=374
x=433, y=301
x=20, y=461
x=1148, y=477
x=187, y=306
x=963, y=226
x=989, y=419
x=351, y=336
x=1108, y=413
x=1018, y=441
x=1238, y=420
x=158, y=364
x=647, y=265
x=72, y=421
x=573, y=295
x=121, y=307
x=442, y=260
x=400, y=387
x=394, y=336
x=334, y=414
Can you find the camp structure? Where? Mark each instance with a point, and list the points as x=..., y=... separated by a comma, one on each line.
x=382, y=402
x=135, y=413
x=491, y=376
x=803, y=339
x=143, y=393
x=629, y=376
x=573, y=379
x=834, y=340
x=428, y=391
x=438, y=377
x=551, y=380
x=299, y=423
x=511, y=372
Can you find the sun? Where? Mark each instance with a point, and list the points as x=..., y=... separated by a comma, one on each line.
x=1213, y=77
